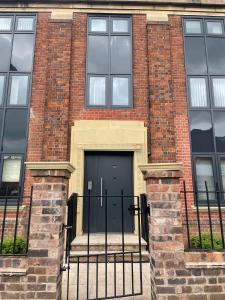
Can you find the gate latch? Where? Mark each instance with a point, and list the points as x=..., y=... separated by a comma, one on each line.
x=134, y=210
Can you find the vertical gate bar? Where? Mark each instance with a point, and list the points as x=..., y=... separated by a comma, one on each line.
x=97, y=276
x=114, y=275
x=139, y=237
x=29, y=218
x=186, y=214
x=16, y=224
x=3, y=224
x=68, y=279
x=220, y=215
x=78, y=275
x=106, y=241
x=122, y=211
x=198, y=216
x=209, y=214
x=88, y=245
x=132, y=271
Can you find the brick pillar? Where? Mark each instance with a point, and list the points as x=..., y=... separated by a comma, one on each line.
x=46, y=236
x=166, y=231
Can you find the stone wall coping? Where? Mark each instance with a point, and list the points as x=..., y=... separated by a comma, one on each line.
x=204, y=259
x=50, y=165
x=153, y=167
x=13, y=271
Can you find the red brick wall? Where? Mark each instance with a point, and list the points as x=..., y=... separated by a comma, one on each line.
x=162, y=140
x=180, y=98
x=57, y=96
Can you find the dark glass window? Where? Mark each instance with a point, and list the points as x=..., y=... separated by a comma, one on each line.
x=17, y=36
x=5, y=51
x=201, y=131
x=216, y=57
x=205, y=70
x=195, y=55
x=22, y=53
x=109, y=61
x=15, y=129
x=219, y=128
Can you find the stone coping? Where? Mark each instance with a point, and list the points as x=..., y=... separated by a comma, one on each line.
x=50, y=165
x=161, y=167
x=13, y=271
x=204, y=259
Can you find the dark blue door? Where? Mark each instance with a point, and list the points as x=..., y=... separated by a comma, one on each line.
x=111, y=171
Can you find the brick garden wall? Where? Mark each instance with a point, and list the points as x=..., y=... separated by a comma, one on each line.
x=176, y=274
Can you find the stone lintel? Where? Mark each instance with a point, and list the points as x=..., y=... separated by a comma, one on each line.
x=50, y=169
x=161, y=170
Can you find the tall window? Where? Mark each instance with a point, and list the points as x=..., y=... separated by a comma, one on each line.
x=109, y=61
x=205, y=70
x=17, y=35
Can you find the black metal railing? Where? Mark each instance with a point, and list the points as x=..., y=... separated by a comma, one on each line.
x=145, y=214
x=99, y=279
x=204, y=219
x=15, y=217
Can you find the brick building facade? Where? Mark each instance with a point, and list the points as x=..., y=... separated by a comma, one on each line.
x=91, y=98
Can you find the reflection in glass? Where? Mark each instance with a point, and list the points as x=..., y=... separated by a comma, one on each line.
x=198, y=92
x=216, y=55
x=120, y=25
x=97, y=90
x=5, y=23
x=98, y=54
x=219, y=91
x=222, y=164
x=15, y=129
x=2, y=85
x=214, y=27
x=120, y=55
x=25, y=24
x=120, y=91
x=99, y=25
x=195, y=55
x=204, y=173
x=18, y=91
x=219, y=128
x=5, y=51
x=11, y=175
x=22, y=54
x=193, y=26
x=201, y=131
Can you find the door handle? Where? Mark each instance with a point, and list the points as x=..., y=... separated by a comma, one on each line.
x=101, y=190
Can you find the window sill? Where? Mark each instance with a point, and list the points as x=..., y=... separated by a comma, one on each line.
x=205, y=208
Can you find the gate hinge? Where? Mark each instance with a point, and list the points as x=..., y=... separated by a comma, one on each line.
x=133, y=209
x=66, y=227
x=64, y=268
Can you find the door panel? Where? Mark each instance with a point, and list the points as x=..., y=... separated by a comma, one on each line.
x=112, y=172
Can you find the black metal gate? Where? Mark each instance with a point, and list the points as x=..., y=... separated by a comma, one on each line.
x=110, y=272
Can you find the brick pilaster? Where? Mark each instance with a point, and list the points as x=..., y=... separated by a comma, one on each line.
x=46, y=234
x=166, y=231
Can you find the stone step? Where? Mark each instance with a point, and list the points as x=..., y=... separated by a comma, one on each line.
x=110, y=256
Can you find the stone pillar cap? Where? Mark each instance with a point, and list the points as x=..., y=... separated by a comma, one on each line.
x=178, y=166
x=50, y=165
